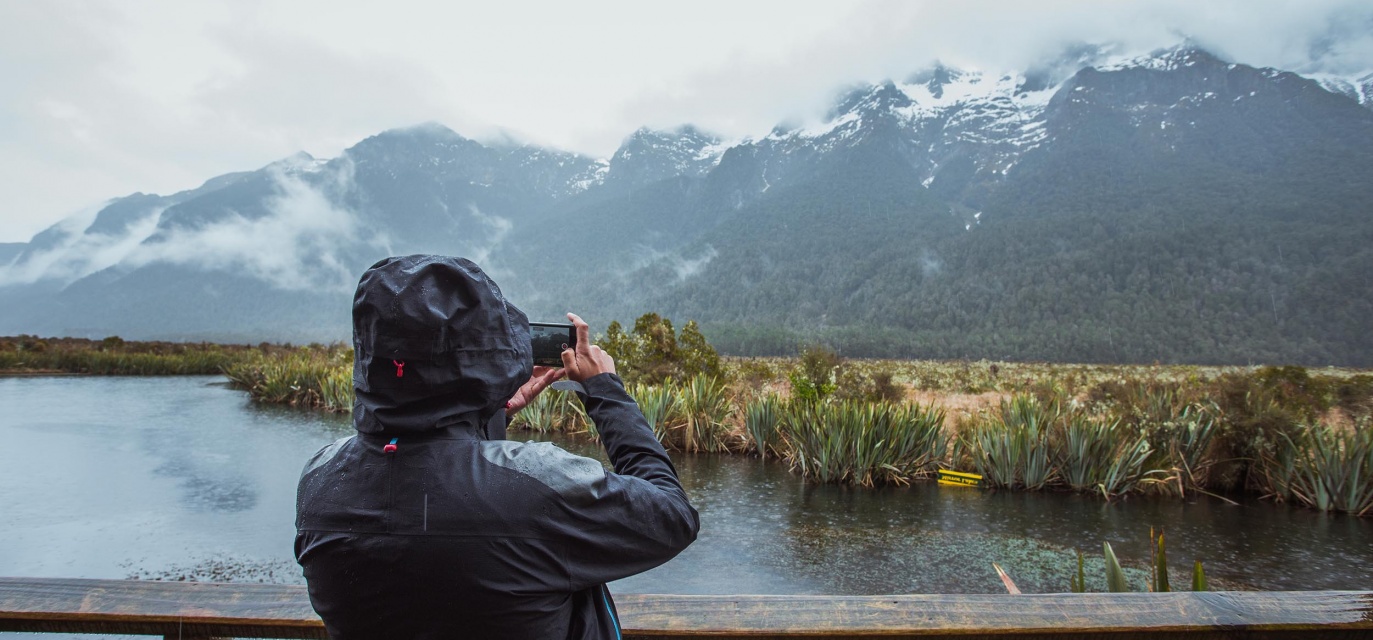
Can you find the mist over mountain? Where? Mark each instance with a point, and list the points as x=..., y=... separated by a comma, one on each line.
x=1174, y=207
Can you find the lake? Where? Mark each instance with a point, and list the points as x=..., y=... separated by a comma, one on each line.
x=185, y=478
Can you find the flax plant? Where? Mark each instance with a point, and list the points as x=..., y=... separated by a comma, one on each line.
x=862, y=443
x=313, y=378
x=1012, y=450
x=571, y=416
x=1086, y=451
x=541, y=414
x=706, y=406
x=1180, y=434
x=660, y=405
x=1331, y=469
x=761, y=417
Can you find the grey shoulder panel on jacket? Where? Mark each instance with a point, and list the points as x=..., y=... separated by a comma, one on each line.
x=326, y=454
x=577, y=479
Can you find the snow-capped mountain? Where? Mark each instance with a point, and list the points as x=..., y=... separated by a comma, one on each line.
x=939, y=210
x=648, y=156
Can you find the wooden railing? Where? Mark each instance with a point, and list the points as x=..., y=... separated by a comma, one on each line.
x=187, y=610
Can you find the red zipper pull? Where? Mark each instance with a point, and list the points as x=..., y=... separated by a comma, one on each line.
x=400, y=368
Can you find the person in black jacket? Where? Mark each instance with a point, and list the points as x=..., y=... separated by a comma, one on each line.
x=428, y=523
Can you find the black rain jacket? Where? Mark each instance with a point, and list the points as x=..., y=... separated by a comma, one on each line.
x=428, y=523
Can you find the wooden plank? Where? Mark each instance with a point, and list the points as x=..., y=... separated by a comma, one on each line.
x=1313, y=614
x=185, y=609
x=146, y=607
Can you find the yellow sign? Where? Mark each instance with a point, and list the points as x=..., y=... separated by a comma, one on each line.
x=958, y=478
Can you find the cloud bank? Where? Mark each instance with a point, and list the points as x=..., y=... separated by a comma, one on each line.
x=109, y=97
x=298, y=245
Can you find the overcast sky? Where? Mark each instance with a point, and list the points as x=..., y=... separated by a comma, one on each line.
x=101, y=99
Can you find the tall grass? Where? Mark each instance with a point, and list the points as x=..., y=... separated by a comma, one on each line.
x=114, y=356
x=1328, y=469
x=539, y=415
x=1013, y=451
x=661, y=407
x=761, y=417
x=862, y=443
x=706, y=406
x=307, y=377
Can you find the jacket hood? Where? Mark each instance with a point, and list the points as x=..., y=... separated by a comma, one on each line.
x=435, y=345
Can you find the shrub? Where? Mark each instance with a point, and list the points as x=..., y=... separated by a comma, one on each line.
x=813, y=380
x=654, y=353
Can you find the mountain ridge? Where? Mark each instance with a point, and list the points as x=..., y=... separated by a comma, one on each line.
x=932, y=216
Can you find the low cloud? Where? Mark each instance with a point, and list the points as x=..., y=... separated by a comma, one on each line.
x=494, y=229
x=294, y=247
x=300, y=244
x=683, y=266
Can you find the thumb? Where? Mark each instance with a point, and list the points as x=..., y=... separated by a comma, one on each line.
x=569, y=361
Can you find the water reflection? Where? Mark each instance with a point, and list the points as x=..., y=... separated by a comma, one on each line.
x=182, y=478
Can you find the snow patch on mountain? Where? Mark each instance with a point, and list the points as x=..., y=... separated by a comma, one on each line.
x=1358, y=87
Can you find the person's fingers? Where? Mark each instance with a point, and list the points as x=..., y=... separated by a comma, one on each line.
x=549, y=376
x=569, y=360
x=583, y=332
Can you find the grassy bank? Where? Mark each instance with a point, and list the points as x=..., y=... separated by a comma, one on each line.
x=1282, y=433
x=316, y=377
x=30, y=355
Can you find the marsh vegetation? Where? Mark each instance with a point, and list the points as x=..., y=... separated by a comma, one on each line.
x=1282, y=433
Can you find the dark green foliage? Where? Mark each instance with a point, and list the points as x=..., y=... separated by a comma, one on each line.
x=696, y=354
x=654, y=353
x=813, y=379
x=115, y=356
x=1116, y=581
x=1199, y=578
x=1115, y=575
x=867, y=383
x=1158, y=573
x=1078, y=582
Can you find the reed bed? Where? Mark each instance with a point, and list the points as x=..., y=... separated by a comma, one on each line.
x=552, y=411
x=1284, y=433
x=661, y=406
x=862, y=443
x=316, y=378
x=1326, y=469
x=114, y=356
x=762, y=416
x=1175, y=431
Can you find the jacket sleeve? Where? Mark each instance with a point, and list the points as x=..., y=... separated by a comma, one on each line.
x=640, y=516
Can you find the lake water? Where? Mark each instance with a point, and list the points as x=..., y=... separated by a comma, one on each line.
x=183, y=477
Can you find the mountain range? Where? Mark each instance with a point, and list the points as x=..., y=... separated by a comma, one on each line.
x=1172, y=207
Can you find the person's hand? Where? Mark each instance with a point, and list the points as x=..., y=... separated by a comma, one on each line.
x=586, y=360
x=543, y=376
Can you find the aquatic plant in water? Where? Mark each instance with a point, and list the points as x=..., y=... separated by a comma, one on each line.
x=1012, y=450
x=706, y=405
x=862, y=443
x=660, y=406
x=1116, y=581
x=1327, y=468
x=761, y=417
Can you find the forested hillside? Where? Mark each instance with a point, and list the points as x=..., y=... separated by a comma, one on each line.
x=1173, y=207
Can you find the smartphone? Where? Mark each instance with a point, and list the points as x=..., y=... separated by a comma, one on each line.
x=549, y=340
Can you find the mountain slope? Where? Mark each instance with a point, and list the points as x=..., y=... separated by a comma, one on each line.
x=1172, y=207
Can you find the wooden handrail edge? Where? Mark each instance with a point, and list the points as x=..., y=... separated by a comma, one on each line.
x=151, y=607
